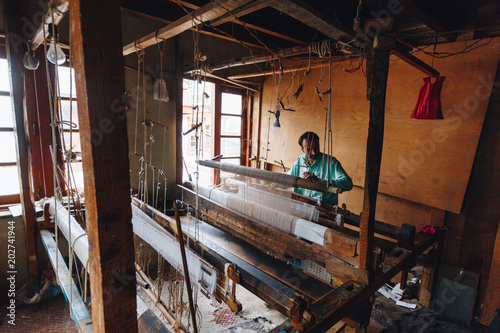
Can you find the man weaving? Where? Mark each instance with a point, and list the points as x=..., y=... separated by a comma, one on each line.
x=318, y=166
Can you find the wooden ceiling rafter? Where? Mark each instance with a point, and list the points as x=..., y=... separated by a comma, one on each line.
x=312, y=17
x=239, y=12
x=208, y=12
x=203, y=32
x=42, y=32
x=412, y=9
x=248, y=25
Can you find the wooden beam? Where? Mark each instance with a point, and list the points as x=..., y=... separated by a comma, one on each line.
x=185, y=266
x=201, y=31
x=340, y=307
x=250, y=26
x=415, y=11
x=492, y=297
x=38, y=116
x=14, y=50
x=312, y=17
x=208, y=12
x=61, y=8
x=271, y=33
x=102, y=115
x=416, y=62
x=239, y=12
x=230, y=81
x=43, y=114
x=378, y=69
x=33, y=135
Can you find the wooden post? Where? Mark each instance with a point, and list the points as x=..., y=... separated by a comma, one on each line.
x=95, y=32
x=430, y=272
x=378, y=68
x=43, y=114
x=14, y=47
x=178, y=112
x=38, y=127
x=180, y=236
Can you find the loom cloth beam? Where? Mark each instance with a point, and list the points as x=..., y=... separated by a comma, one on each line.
x=274, y=177
x=273, y=241
x=302, y=228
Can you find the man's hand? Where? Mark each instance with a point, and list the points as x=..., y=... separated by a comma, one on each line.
x=309, y=175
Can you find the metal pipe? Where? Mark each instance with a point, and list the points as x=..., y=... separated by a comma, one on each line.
x=275, y=177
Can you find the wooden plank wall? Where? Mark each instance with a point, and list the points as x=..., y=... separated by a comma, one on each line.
x=425, y=163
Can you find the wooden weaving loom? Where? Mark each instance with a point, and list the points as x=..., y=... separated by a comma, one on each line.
x=264, y=261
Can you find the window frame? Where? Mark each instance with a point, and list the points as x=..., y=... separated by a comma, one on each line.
x=222, y=87
x=12, y=198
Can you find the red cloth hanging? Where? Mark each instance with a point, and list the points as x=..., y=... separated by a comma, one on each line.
x=429, y=100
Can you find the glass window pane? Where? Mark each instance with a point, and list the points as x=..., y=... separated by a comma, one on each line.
x=230, y=125
x=231, y=104
x=6, y=117
x=235, y=161
x=4, y=75
x=193, y=94
x=76, y=175
x=64, y=83
x=75, y=141
x=9, y=178
x=65, y=110
x=230, y=147
x=8, y=147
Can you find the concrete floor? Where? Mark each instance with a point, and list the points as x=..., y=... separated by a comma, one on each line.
x=256, y=315
x=216, y=317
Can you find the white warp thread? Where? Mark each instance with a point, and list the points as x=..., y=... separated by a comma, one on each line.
x=269, y=216
x=168, y=247
x=287, y=205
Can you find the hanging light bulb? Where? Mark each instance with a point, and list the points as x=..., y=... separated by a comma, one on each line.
x=55, y=54
x=276, y=125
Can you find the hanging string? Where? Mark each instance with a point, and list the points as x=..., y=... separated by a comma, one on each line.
x=54, y=144
x=434, y=52
x=140, y=58
x=330, y=133
x=146, y=192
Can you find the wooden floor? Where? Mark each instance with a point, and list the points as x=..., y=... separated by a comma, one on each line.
x=50, y=316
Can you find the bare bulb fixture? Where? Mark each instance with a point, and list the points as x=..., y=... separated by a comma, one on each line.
x=55, y=54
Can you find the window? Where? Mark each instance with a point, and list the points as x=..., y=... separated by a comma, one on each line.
x=70, y=126
x=9, y=176
x=195, y=107
x=231, y=132
x=228, y=117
